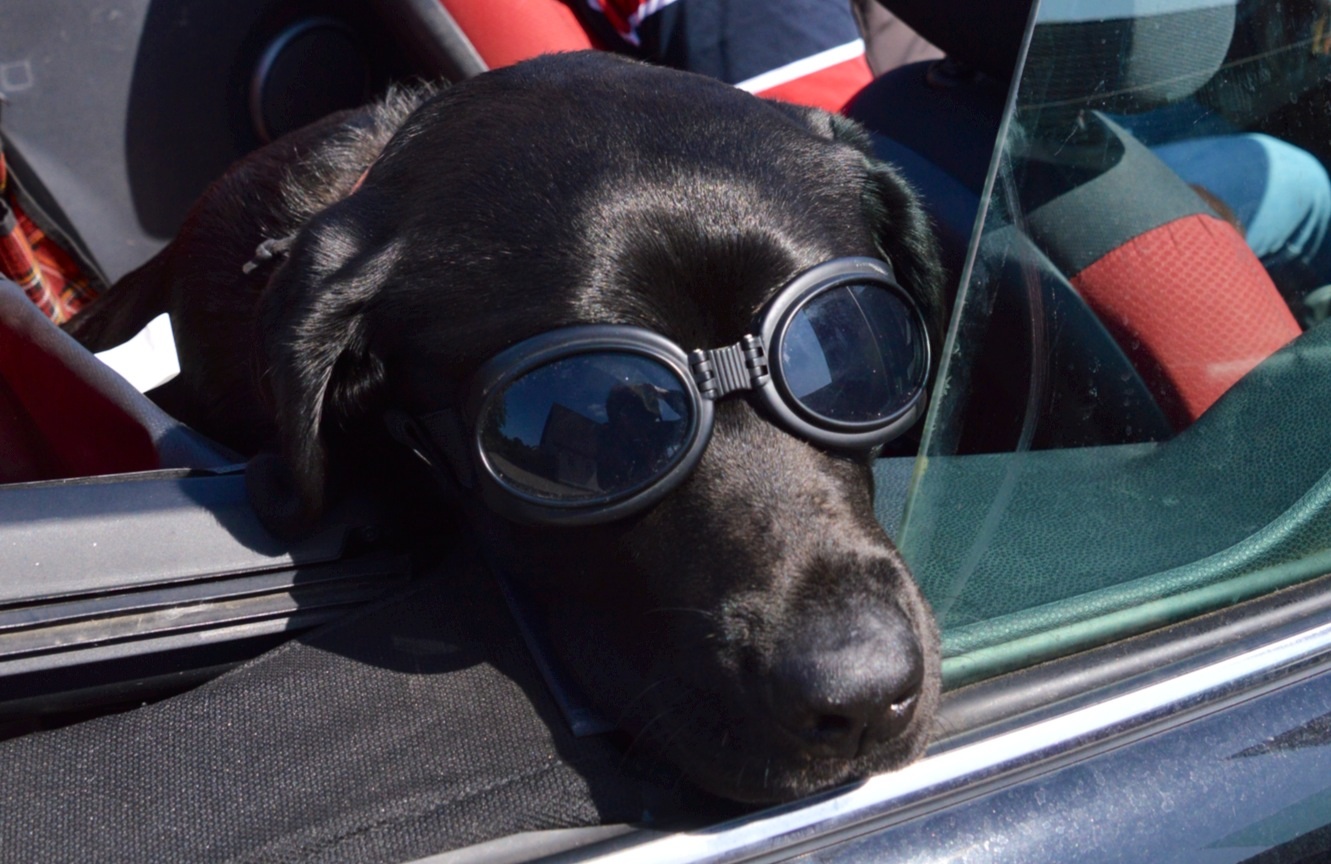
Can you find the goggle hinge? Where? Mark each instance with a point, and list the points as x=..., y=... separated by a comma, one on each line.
x=719, y=372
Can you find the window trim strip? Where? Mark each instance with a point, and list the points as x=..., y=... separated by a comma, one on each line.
x=998, y=760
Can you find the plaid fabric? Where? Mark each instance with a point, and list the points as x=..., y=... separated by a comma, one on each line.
x=50, y=277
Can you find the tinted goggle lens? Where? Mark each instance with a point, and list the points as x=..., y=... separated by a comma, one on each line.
x=587, y=427
x=854, y=354
x=589, y=423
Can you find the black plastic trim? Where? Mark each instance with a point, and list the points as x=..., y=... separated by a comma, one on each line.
x=53, y=634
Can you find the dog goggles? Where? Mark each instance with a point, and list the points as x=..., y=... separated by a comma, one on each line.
x=588, y=424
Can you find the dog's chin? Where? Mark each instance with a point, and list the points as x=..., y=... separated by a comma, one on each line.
x=753, y=779
x=703, y=700
x=763, y=769
x=713, y=724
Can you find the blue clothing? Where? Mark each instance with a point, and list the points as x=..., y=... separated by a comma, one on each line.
x=1280, y=193
x=730, y=40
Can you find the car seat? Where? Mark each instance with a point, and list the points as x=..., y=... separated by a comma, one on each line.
x=53, y=392
x=1106, y=199
x=470, y=36
x=111, y=129
x=191, y=585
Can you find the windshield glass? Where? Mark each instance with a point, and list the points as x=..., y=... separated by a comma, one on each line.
x=1128, y=428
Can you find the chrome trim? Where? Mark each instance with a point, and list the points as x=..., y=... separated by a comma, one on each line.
x=890, y=797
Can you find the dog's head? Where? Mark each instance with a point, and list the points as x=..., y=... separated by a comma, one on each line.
x=756, y=624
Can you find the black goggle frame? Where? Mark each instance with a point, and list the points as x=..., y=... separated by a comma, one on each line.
x=705, y=376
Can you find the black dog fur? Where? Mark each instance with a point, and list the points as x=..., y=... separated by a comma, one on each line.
x=756, y=626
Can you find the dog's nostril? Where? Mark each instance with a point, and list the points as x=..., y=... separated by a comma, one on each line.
x=833, y=726
x=845, y=685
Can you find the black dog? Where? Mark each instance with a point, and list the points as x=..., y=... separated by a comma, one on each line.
x=755, y=625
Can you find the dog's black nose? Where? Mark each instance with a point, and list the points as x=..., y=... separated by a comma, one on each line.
x=848, y=681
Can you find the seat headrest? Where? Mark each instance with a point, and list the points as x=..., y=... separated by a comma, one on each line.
x=985, y=34
x=1154, y=51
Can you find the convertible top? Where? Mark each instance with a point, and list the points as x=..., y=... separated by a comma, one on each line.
x=417, y=725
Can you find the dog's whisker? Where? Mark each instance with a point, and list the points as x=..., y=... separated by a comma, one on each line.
x=942, y=728
x=647, y=728
x=685, y=610
x=642, y=734
x=628, y=706
x=662, y=751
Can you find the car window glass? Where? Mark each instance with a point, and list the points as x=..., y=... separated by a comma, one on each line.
x=1129, y=422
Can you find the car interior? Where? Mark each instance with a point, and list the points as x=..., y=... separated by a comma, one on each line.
x=1126, y=424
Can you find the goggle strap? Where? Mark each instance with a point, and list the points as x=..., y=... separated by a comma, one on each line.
x=431, y=437
x=719, y=372
x=446, y=429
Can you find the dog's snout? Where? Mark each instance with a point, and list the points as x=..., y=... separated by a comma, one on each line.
x=848, y=682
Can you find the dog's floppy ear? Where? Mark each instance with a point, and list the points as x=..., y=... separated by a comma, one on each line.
x=901, y=228
x=319, y=370
x=902, y=232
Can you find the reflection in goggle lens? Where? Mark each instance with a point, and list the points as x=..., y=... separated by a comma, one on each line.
x=853, y=355
x=586, y=427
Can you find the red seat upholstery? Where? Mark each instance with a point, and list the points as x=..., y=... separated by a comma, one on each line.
x=64, y=414
x=505, y=32
x=55, y=419
x=828, y=80
x=1179, y=289
x=1192, y=307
